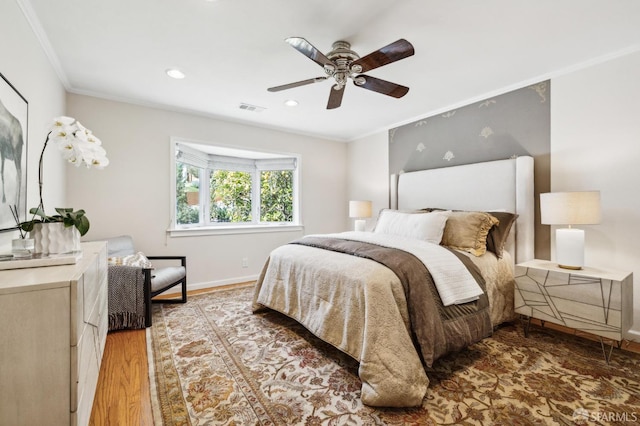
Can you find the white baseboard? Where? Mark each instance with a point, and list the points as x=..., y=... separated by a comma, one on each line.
x=633, y=335
x=211, y=284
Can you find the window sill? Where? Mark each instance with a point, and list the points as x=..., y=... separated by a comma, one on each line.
x=198, y=231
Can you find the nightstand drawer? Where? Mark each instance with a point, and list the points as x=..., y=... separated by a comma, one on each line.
x=593, y=300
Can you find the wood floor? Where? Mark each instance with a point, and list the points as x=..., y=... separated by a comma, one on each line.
x=123, y=395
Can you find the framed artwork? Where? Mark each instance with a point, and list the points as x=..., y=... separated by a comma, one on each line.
x=14, y=111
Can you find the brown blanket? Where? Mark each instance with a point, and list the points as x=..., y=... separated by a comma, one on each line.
x=436, y=329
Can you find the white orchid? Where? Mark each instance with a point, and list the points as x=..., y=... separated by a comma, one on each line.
x=79, y=146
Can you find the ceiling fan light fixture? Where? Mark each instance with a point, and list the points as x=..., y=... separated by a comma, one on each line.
x=329, y=69
x=341, y=78
x=175, y=73
x=359, y=80
x=291, y=102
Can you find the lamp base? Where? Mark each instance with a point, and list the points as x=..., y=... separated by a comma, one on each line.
x=575, y=268
x=359, y=225
x=570, y=248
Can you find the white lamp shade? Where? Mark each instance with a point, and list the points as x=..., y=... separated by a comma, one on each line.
x=570, y=208
x=359, y=209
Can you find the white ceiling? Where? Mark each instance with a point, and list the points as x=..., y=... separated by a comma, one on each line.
x=233, y=50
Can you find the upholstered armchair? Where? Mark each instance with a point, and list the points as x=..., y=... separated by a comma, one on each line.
x=135, y=280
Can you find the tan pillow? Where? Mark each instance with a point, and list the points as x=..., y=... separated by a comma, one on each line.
x=468, y=231
x=138, y=259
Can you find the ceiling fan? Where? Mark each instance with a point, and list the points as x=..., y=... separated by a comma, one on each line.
x=343, y=64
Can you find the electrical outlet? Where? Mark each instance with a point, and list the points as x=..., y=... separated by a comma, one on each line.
x=245, y=262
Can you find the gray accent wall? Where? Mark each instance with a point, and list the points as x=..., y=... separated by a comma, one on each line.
x=508, y=125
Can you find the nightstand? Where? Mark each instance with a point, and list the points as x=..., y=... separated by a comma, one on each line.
x=592, y=300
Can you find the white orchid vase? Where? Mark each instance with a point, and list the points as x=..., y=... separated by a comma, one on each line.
x=80, y=147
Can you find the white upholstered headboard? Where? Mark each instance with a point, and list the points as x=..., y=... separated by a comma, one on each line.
x=493, y=185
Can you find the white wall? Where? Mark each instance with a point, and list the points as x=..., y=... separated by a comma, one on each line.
x=369, y=173
x=595, y=145
x=26, y=66
x=131, y=195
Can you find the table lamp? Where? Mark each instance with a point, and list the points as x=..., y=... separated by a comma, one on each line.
x=359, y=210
x=570, y=208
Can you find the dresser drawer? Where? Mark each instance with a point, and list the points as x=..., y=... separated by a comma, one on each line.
x=89, y=356
x=103, y=321
x=86, y=364
x=596, y=301
x=77, y=310
x=87, y=290
x=102, y=264
x=91, y=289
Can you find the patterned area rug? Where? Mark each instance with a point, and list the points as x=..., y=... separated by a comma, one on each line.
x=213, y=362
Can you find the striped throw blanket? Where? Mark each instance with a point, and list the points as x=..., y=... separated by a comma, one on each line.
x=126, y=298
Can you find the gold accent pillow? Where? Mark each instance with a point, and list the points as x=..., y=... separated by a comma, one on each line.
x=467, y=231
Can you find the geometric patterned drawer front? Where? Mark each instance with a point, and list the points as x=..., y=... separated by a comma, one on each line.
x=588, y=300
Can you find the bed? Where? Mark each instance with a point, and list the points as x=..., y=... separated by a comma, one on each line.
x=362, y=293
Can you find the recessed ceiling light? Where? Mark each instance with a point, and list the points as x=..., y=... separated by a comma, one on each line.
x=291, y=102
x=175, y=73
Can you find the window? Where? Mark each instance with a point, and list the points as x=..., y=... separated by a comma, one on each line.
x=221, y=187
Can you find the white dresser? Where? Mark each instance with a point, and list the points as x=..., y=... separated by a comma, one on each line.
x=53, y=328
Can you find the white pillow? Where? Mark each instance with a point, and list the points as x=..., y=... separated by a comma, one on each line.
x=422, y=226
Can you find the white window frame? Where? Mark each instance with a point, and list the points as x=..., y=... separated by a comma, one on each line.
x=243, y=159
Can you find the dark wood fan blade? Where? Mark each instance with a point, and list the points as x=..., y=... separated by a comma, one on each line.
x=308, y=50
x=393, y=52
x=297, y=84
x=381, y=86
x=335, y=97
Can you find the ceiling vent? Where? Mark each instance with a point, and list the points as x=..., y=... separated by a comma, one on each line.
x=253, y=108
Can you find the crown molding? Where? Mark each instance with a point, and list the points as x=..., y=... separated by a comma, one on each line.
x=34, y=22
